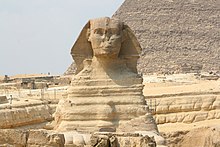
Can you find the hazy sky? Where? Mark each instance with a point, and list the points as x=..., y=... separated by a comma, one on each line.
x=36, y=35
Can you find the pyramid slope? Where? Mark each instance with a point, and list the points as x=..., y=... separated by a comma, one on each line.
x=177, y=36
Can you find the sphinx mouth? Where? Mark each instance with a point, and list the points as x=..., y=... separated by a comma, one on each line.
x=107, y=48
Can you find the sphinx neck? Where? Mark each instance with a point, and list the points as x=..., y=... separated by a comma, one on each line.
x=107, y=64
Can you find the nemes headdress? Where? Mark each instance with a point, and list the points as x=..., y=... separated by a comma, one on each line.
x=130, y=48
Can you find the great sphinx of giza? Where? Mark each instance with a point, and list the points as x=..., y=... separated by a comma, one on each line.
x=106, y=92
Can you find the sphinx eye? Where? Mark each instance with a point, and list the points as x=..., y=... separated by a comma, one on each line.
x=99, y=31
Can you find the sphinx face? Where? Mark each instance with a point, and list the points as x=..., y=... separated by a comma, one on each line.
x=105, y=37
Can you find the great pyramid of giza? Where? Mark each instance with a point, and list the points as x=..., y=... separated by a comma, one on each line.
x=177, y=36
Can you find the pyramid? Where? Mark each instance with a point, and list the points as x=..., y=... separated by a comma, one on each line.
x=177, y=36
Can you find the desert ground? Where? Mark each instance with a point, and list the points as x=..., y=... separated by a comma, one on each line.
x=158, y=90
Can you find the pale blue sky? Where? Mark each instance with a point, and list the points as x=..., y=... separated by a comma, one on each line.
x=36, y=35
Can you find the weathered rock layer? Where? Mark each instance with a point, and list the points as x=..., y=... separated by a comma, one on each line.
x=24, y=114
x=186, y=108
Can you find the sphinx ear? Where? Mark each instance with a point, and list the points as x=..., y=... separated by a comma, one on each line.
x=124, y=36
x=130, y=48
x=130, y=44
x=124, y=33
x=88, y=34
x=82, y=48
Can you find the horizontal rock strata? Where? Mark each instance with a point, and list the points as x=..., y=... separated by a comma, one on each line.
x=25, y=114
x=32, y=138
x=186, y=109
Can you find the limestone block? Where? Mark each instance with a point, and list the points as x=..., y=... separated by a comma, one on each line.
x=198, y=105
x=78, y=140
x=45, y=138
x=189, y=118
x=137, y=141
x=187, y=107
x=74, y=138
x=3, y=100
x=207, y=103
x=201, y=116
x=160, y=119
x=174, y=108
x=171, y=118
x=22, y=116
x=214, y=114
x=217, y=114
x=12, y=138
x=123, y=140
x=180, y=117
x=211, y=114
x=160, y=141
x=161, y=109
x=216, y=103
x=100, y=141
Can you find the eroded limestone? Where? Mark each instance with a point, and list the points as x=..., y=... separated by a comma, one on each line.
x=106, y=93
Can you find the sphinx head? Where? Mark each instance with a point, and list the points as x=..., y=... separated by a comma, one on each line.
x=105, y=36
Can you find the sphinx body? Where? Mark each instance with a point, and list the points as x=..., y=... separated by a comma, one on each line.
x=106, y=93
